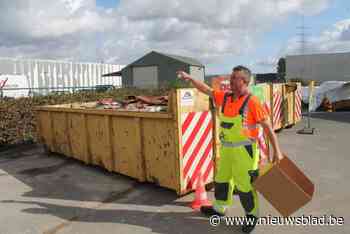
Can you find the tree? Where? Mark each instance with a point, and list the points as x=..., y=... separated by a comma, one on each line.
x=281, y=68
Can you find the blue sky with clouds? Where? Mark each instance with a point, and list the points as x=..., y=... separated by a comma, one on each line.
x=272, y=44
x=107, y=3
x=221, y=34
x=275, y=41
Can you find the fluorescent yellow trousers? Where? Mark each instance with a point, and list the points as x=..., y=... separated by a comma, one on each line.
x=236, y=170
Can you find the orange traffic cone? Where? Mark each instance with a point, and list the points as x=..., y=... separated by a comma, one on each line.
x=201, y=198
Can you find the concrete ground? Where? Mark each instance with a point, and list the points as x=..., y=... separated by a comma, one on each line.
x=58, y=195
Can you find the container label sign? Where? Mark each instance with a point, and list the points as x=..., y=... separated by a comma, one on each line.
x=187, y=98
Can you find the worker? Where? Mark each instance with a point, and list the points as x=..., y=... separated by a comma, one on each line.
x=241, y=114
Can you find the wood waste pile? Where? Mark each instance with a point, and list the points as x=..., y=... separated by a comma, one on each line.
x=131, y=103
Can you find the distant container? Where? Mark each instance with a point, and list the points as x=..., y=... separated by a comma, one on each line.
x=298, y=103
x=276, y=94
x=292, y=104
x=286, y=104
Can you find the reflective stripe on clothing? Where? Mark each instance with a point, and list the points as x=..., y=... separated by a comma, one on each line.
x=235, y=144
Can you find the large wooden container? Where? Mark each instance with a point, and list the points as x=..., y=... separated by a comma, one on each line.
x=291, y=104
x=169, y=148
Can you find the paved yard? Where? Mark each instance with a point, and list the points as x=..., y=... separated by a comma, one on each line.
x=57, y=195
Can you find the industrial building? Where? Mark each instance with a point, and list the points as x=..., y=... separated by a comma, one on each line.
x=43, y=76
x=158, y=69
x=268, y=78
x=319, y=67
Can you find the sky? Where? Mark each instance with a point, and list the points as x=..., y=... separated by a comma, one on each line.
x=220, y=34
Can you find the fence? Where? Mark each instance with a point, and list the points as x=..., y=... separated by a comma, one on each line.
x=40, y=74
x=31, y=92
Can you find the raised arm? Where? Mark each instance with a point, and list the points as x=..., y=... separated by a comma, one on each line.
x=201, y=86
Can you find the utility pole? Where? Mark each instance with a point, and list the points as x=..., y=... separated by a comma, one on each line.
x=303, y=51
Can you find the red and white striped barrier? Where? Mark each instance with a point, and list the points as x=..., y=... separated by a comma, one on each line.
x=298, y=99
x=277, y=109
x=197, y=147
x=263, y=148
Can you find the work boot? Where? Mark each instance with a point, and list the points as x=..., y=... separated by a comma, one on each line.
x=249, y=224
x=210, y=211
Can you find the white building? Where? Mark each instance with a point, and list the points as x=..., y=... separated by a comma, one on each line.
x=44, y=76
x=319, y=67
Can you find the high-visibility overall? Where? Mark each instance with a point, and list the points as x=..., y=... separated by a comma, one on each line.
x=238, y=163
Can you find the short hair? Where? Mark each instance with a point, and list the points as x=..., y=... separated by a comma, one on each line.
x=245, y=70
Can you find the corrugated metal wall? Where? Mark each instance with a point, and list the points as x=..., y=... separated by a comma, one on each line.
x=319, y=67
x=58, y=75
x=167, y=68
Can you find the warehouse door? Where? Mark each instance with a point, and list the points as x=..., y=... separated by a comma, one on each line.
x=145, y=77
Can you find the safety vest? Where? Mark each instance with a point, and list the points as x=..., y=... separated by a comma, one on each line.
x=231, y=128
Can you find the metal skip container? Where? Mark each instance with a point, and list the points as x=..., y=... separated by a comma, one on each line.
x=169, y=148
